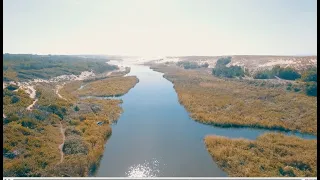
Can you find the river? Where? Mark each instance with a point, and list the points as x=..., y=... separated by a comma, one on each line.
x=155, y=136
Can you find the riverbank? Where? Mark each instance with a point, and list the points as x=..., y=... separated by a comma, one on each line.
x=63, y=135
x=271, y=155
x=230, y=104
x=214, y=101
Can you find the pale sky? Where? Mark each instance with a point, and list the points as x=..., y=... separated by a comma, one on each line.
x=161, y=27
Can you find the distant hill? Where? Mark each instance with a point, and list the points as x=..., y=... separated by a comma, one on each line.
x=24, y=67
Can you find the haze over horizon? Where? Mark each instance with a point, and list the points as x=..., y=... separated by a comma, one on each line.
x=161, y=28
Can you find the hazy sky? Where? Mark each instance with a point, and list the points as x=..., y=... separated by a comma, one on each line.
x=162, y=27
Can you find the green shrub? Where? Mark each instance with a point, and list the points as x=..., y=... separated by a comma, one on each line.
x=188, y=65
x=263, y=75
x=288, y=74
x=284, y=73
x=222, y=71
x=11, y=118
x=28, y=123
x=223, y=61
x=311, y=89
x=15, y=99
x=309, y=75
x=58, y=110
x=76, y=108
x=296, y=89
x=12, y=87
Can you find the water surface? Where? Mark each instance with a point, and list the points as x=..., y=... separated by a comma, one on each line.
x=156, y=137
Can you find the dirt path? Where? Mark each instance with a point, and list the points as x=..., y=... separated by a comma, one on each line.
x=58, y=87
x=61, y=145
x=31, y=105
x=32, y=93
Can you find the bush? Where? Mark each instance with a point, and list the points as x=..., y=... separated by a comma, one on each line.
x=229, y=72
x=76, y=108
x=288, y=74
x=15, y=99
x=12, y=87
x=223, y=61
x=74, y=145
x=39, y=115
x=28, y=123
x=311, y=89
x=284, y=73
x=21, y=169
x=296, y=89
x=55, y=109
x=6, y=92
x=310, y=75
x=188, y=65
x=10, y=118
x=263, y=75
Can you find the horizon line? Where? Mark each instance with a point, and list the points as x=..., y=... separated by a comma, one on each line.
x=301, y=55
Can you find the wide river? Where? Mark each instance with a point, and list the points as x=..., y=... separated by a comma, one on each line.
x=155, y=136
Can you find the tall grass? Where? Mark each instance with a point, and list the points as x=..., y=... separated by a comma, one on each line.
x=109, y=87
x=32, y=138
x=226, y=103
x=271, y=155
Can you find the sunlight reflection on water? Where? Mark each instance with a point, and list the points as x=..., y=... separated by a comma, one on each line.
x=147, y=169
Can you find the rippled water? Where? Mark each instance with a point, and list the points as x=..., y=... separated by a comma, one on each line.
x=156, y=137
x=147, y=169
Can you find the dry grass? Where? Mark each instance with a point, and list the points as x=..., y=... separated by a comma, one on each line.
x=35, y=135
x=69, y=90
x=91, y=134
x=20, y=106
x=271, y=155
x=36, y=148
x=109, y=87
x=237, y=104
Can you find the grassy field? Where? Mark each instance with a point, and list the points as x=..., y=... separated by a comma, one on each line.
x=233, y=103
x=32, y=138
x=114, y=86
x=271, y=155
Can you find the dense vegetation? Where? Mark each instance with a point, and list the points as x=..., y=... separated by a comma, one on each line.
x=14, y=102
x=191, y=65
x=271, y=155
x=31, y=138
x=22, y=67
x=283, y=73
x=221, y=69
x=310, y=77
x=231, y=103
